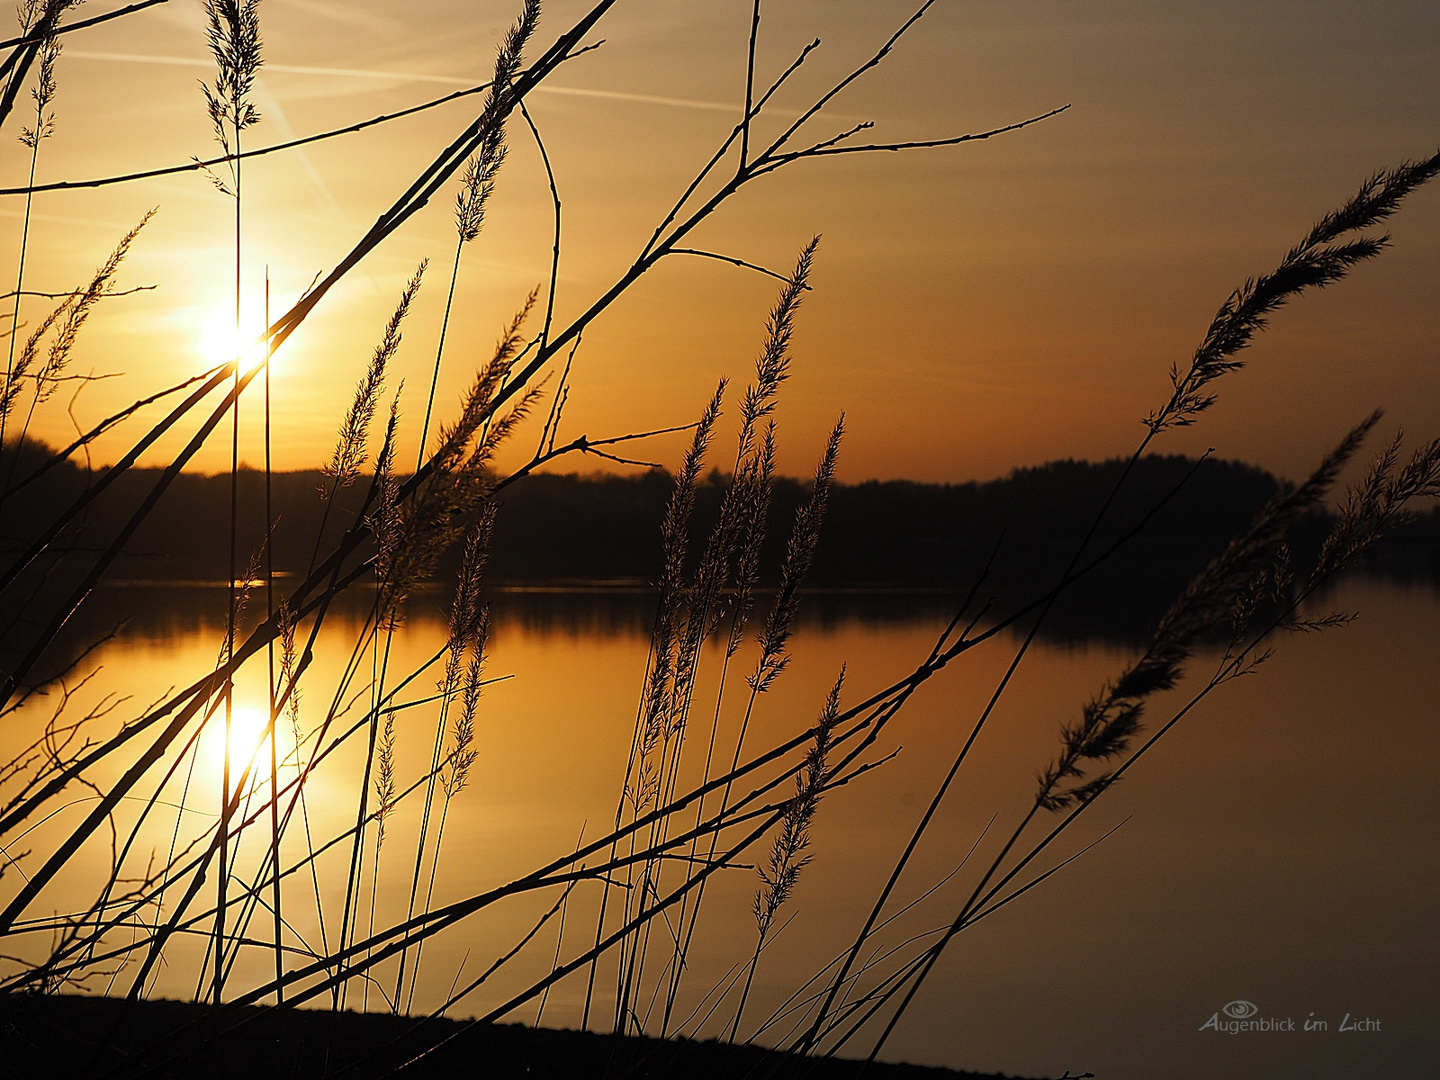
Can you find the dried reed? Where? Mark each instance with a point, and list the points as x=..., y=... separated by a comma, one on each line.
x=788, y=851
x=404, y=525
x=478, y=182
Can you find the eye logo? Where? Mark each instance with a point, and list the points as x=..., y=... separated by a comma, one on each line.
x=1241, y=1010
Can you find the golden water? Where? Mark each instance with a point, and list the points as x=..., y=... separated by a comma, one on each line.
x=1278, y=847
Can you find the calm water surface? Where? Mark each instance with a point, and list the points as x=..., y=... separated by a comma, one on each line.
x=1278, y=847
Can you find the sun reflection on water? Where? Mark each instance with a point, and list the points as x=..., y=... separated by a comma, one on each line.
x=248, y=743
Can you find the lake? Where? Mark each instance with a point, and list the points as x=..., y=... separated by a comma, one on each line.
x=1277, y=848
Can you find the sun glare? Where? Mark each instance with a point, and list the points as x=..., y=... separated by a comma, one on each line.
x=220, y=341
x=247, y=739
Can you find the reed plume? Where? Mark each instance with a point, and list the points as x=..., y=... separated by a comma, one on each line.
x=1209, y=604
x=745, y=505
x=747, y=562
x=772, y=367
x=285, y=618
x=434, y=518
x=739, y=535
x=467, y=621
x=466, y=610
x=477, y=183
x=1379, y=504
x=478, y=405
x=44, y=16
x=799, y=554
x=32, y=14
x=463, y=753
x=468, y=629
x=645, y=770
x=350, y=448
x=385, y=782
x=386, y=527
x=675, y=654
x=70, y=315
x=21, y=370
x=233, y=35
x=1322, y=258
x=734, y=545
x=789, y=851
x=657, y=697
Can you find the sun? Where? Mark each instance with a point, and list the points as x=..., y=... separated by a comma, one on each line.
x=219, y=340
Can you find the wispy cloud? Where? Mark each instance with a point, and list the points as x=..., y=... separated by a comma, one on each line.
x=643, y=99
x=289, y=69
x=346, y=14
x=274, y=112
x=60, y=219
x=406, y=76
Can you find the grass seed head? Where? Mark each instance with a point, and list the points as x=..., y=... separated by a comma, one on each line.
x=350, y=453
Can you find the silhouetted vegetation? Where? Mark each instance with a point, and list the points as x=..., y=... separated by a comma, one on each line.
x=1067, y=545
x=599, y=528
x=881, y=536
x=59, y=1037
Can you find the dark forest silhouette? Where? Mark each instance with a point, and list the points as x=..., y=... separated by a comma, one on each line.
x=556, y=528
x=881, y=536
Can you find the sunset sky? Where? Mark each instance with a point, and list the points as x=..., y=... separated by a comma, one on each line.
x=975, y=308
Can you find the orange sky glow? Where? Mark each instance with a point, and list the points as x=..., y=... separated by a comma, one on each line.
x=975, y=307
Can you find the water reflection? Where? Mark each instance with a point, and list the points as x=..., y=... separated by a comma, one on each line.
x=1277, y=847
x=164, y=610
x=247, y=726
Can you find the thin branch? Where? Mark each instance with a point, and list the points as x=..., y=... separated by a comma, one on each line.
x=102, y=427
x=555, y=253
x=828, y=147
x=584, y=445
x=749, y=87
x=829, y=95
x=36, y=35
x=78, y=292
x=733, y=262
x=719, y=154
x=226, y=159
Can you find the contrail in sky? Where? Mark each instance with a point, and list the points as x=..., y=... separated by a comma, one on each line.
x=406, y=76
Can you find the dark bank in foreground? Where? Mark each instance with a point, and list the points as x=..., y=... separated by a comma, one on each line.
x=72, y=1035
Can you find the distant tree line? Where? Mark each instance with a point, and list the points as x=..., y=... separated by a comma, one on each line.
x=878, y=535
